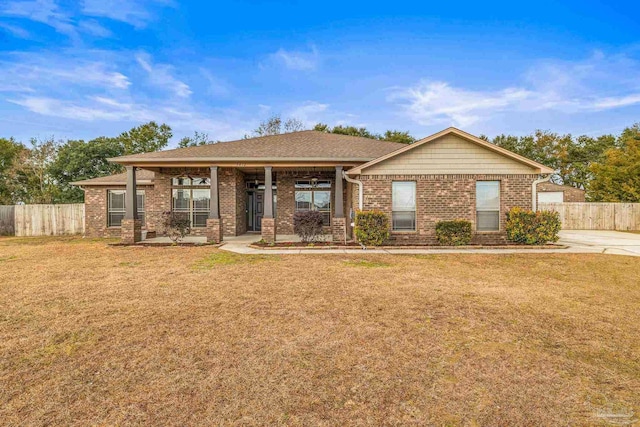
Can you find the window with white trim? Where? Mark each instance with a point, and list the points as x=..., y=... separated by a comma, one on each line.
x=403, y=202
x=189, y=197
x=116, y=200
x=314, y=195
x=488, y=205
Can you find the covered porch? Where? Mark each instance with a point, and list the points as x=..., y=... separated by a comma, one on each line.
x=258, y=201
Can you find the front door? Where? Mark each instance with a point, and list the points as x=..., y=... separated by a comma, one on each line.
x=255, y=210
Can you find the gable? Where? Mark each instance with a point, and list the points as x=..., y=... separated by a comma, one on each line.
x=449, y=154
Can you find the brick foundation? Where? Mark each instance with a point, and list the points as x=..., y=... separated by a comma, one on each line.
x=339, y=229
x=214, y=230
x=269, y=230
x=131, y=231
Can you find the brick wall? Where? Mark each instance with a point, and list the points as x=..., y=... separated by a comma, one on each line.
x=95, y=199
x=444, y=197
x=571, y=194
x=158, y=200
x=285, y=181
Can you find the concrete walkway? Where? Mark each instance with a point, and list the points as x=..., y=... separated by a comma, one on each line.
x=577, y=242
x=607, y=242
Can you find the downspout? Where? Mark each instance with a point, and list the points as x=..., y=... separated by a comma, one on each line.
x=360, y=190
x=534, y=191
x=360, y=197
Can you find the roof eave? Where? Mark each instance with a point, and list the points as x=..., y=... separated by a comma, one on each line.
x=213, y=160
x=109, y=183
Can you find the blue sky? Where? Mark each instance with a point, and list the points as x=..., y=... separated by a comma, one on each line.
x=85, y=68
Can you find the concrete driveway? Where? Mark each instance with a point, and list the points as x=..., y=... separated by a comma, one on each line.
x=608, y=242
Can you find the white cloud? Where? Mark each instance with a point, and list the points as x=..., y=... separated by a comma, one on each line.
x=43, y=11
x=591, y=85
x=297, y=60
x=309, y=113
x=161, y=75
x=92, y=27
x=437, y=102
x=215, y=85
x=182, y=118
x=131, y=12
x=28, y=72
x=16, y=31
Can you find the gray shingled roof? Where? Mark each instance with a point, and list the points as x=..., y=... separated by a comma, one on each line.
x=143, y=177
x=306, y=145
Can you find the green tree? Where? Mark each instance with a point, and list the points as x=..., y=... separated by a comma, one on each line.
x=570, y=157
x=145, y=138
x=10, y=152
x=616, y=178
x=398, y=136
x=77, y=160
x=363, y=132
x=33, y=182
x=195, y=140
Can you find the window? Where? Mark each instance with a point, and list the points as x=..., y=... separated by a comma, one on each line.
x=192, y=200
x=314, y=195
x=488, y=205
x=403, y=201
x=116, y=207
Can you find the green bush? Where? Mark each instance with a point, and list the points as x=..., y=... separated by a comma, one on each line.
x=372, y=227
x=532, y=228
x=454, y=233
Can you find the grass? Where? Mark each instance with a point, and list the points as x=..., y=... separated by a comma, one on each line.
x=98, y=335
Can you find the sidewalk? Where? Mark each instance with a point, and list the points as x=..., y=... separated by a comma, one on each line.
x=240, y=245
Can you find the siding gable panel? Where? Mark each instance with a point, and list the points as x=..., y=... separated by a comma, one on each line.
x=449, y=154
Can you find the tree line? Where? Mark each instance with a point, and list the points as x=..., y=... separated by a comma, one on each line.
x=607, y=167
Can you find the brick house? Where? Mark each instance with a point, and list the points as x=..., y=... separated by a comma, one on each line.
x=255, y=186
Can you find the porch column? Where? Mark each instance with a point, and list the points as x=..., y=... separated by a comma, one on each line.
x=214, y=206
x=131, y=199
x=268, y=224
x=339, y=222
x=131, y=226
x=268, y=193
x=339, y=206
x=214, y=222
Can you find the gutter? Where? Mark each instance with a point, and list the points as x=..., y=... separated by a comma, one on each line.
x=360, y=189
x=534, y=191
x=125, y=159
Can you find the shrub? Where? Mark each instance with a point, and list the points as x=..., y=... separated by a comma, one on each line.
x=454, y=233
x=532, y=228
x=307, y=225
x=176, y=225
x=372, y=227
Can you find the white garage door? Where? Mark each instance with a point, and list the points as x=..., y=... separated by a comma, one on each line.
x=551, y=197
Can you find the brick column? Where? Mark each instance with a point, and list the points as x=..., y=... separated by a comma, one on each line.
x=214, y=230
x=269, y=230
x=339, y=229
x=131, y=231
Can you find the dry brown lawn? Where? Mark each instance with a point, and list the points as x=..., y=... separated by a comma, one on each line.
x=98, y=335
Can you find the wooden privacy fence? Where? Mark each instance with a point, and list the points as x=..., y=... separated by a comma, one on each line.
x=48, y=220
x=596, y=216
x=7, y=219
